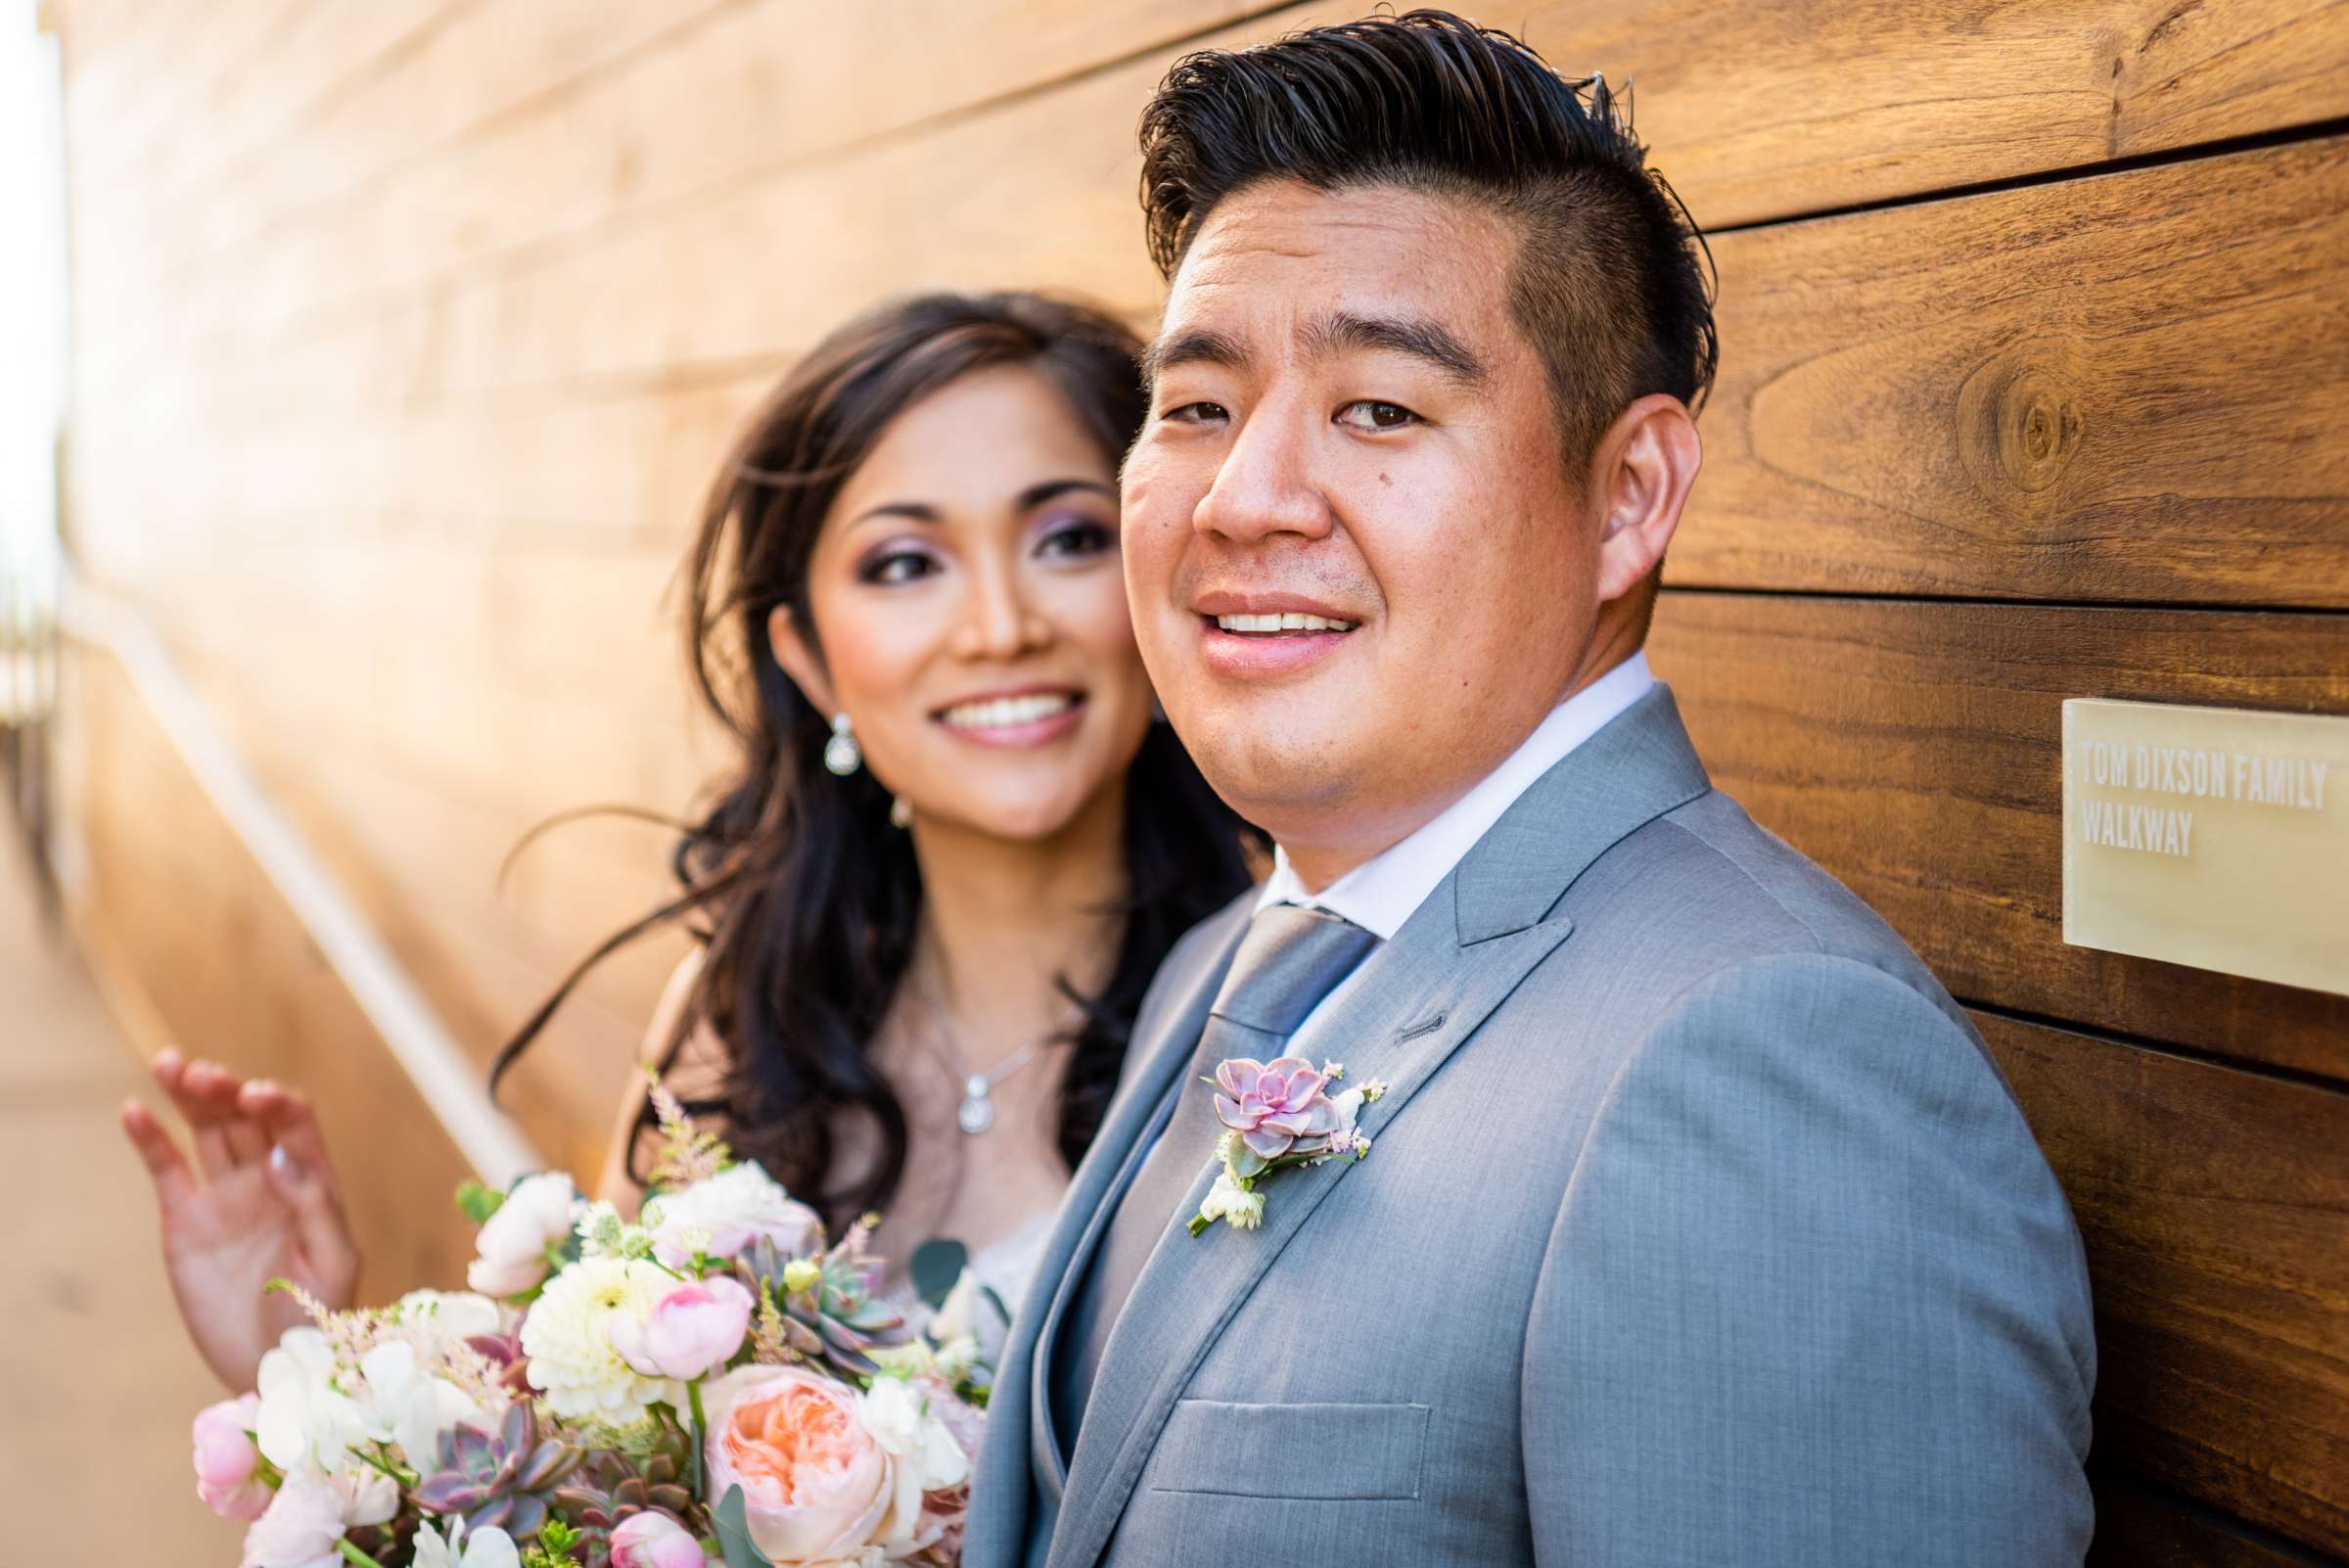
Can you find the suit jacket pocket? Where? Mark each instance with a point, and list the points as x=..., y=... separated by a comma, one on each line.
x=1304, y=1453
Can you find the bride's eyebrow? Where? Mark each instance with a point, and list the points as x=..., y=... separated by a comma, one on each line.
x=1036, y=495
x=911, y=511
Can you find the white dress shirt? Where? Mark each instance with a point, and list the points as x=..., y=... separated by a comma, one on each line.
x=1381, y=893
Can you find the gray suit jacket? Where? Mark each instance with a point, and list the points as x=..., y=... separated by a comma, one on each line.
x=1698, y=1229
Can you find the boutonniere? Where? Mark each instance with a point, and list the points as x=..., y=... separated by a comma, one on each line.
x=1276, y=1115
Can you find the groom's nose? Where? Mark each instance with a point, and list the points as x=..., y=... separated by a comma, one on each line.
x=1266, y=485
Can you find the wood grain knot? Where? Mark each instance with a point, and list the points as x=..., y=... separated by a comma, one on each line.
x=2019, y=423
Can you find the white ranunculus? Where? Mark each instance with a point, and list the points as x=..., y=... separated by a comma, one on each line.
x=726, y=1213
x=568, y=1338
x=513, y=1242
x=409, y=1406
x=484, y=1549
x=305, y=1421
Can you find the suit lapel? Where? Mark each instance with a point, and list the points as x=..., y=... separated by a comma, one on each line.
x=1417, y=1000
x=1123, y=1143
x=1191, y=1289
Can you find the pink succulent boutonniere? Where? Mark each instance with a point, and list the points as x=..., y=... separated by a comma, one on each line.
x=1276, y=1115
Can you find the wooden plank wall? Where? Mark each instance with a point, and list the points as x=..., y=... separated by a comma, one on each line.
x=408, y=331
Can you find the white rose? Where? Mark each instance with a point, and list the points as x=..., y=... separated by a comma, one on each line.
x=306, y=1422
x=725, y=1214
x=513, y=1242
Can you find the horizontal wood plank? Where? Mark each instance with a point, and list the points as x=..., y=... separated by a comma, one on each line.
x=1913, y=750
x=1760, y=123
x=2214, y=1205
x=230, y=971
x=2120, y=387
x=377, y=206
x=1764, y=112
x=1977, y=436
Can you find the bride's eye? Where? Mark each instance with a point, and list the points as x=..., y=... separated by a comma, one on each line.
x=895, y=566
x=1076, y=538
x=1372, y=414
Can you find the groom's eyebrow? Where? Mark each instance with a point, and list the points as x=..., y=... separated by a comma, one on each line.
x=1194, y=347
x=1418, y=337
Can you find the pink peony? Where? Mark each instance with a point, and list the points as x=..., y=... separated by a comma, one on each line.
x=226, y=1459
x=693, y=1331
x=816, y=1487
x=654, y=1540
x=1274, y=1105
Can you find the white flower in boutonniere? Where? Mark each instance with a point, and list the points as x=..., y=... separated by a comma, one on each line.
x=1276, y=1115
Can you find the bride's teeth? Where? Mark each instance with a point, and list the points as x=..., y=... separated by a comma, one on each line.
x=1285, y=621
x=1002, y=713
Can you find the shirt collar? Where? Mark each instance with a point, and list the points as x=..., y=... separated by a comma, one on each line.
x=1381, y=894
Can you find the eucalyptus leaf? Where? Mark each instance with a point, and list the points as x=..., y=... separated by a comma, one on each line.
x=734, y=1532
x=935, y=1267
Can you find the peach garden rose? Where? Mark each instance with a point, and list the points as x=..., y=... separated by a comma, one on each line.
x=816, y=1487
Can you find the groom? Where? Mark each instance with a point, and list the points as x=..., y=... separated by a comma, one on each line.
x=1695, y=1226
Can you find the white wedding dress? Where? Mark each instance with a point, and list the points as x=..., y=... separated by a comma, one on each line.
x=1005, y=1268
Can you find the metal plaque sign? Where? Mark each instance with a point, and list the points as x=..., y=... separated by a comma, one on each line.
x=2215, y=837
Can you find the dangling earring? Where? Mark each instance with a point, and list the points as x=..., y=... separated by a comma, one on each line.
x=842, y=754
x=901, y=815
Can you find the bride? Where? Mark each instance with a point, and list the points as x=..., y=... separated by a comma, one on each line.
x=928, y=902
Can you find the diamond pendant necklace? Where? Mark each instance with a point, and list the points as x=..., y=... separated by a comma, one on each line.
x=977, y=1111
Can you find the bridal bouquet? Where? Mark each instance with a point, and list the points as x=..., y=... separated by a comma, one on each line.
x=713, y=1379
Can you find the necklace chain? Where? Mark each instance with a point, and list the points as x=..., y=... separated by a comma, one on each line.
x=977, y=1111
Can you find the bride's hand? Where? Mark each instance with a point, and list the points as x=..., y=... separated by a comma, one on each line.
x=266, y=1206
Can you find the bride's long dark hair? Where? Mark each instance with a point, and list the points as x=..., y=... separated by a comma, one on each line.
x=802, y=895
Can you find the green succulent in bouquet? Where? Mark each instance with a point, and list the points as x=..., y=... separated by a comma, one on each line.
x=830, y=1302
x=505, y=1478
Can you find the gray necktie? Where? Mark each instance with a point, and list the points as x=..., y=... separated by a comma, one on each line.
x=1290, y=960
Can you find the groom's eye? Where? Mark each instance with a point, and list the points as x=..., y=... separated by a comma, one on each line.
x=1195, y=413
x=1371, y=414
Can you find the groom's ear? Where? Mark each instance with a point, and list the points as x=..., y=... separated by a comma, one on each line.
x=798, y=659
x=1641, y=474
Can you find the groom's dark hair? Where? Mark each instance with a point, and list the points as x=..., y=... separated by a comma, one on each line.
x=1605, y=281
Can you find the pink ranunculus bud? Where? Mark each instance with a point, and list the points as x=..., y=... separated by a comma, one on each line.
x=226, y=1459
x=654, y=1540
x=693, y=1331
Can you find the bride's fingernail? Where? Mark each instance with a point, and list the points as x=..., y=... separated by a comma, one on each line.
x=282, y=1163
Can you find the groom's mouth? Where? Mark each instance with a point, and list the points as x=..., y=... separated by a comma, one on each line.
x=1280, y=625
x=1257, y=637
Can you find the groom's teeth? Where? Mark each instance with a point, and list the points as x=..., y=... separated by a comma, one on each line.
x=1002, y=713
x=1282, y=622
